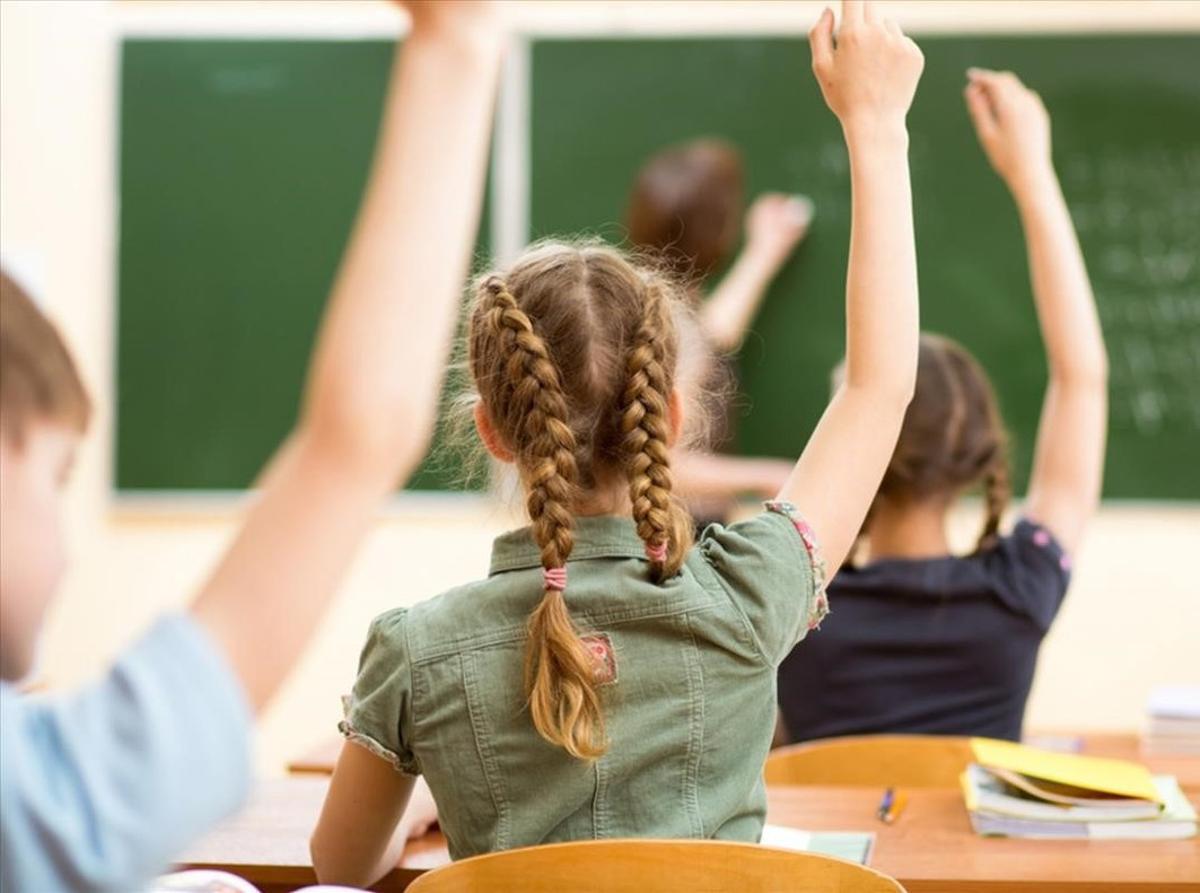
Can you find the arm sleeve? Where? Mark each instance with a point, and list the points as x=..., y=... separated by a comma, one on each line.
x=380, y=707
x=103, y=787
x=771, y=568
x=1030, y=572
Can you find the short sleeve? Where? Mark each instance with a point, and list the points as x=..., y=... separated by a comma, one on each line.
x=102, y=787
x=771, y=568
x=380, y=707
x=1029, y=572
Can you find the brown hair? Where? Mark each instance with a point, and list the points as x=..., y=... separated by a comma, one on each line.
x=952, y=437
x=573, y=353
x=38, y=378
x=686, y=204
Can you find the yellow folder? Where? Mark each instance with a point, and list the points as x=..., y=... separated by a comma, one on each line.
x=1117, y=777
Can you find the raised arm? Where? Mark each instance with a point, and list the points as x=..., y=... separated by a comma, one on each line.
x=775, y=224
x=372, y=389
x=868, y=80
x=1068, y=463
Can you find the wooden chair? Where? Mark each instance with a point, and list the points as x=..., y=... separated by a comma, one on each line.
x=913, y=761
x=653, y=866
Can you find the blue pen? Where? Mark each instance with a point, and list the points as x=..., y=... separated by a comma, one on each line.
x=885, y=805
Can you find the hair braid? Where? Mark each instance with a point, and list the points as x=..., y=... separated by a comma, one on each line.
x=661, y=521
x=997, y=490
x=560, y=672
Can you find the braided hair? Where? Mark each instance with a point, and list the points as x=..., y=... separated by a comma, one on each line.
x=572, y=352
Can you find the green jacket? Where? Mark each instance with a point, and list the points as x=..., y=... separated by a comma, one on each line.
x=689, y=711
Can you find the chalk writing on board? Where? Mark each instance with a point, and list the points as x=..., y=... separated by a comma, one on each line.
x=1138, y=217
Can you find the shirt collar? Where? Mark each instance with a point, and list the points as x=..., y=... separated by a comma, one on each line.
x=600, y=536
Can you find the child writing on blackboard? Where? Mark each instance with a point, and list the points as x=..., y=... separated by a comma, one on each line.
x=612, y=677
x=100, y=787
x=926, y=641
x=685, y=207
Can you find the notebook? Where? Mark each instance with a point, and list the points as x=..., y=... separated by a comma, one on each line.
x=998, y=810
x=1069, y=774
x=1173, y=721
x=853, y=846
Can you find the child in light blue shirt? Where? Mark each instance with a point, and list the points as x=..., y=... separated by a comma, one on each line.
x=112, y=780
x=100, y=787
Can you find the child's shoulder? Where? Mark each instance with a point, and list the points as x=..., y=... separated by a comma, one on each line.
x=778, y=534
x=460, y=618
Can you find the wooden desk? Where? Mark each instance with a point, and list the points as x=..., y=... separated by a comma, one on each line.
x=267, y=843
x=930, y=849
x=1121, y=745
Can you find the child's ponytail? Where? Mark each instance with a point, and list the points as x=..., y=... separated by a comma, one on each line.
x=997, y=490
x=560, y=674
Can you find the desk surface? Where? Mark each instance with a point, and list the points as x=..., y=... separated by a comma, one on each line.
x=930, y=849
x=267, y=842
x=1125, y=746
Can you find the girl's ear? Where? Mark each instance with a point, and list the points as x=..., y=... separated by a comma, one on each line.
x=675, y=416
x=492, y=441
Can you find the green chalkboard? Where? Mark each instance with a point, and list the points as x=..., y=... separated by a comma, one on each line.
x=241, y=167
x=1127, y=143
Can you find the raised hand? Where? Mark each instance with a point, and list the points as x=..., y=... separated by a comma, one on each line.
x=1068, y=459
x=450, y=15
x=1012, y=124
x=776, y=223
x=868, y=78
x=869, y=73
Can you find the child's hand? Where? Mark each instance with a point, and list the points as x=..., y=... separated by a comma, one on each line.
x=776, y=223
x=1012, y=124
x=449, y=15
x=870, y=76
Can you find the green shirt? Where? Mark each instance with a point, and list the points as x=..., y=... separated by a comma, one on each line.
x=689, y=713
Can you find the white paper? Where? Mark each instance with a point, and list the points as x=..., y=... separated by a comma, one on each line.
x=786, y=838
x=1175, y=700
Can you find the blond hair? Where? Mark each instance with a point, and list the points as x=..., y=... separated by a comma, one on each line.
x=573, y=354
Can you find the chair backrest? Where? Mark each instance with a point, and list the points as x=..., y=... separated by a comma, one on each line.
x=914, y=761
x=653, y=866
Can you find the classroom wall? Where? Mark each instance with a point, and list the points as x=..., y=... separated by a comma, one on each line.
x=1130, y=621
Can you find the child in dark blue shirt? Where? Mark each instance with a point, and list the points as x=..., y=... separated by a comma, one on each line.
x=922, y=641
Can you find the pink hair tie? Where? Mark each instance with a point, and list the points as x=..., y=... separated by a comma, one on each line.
x=657, y=553
x=556, y=578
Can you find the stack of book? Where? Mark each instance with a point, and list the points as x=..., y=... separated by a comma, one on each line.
x=1016, y=791
x=1174, y=722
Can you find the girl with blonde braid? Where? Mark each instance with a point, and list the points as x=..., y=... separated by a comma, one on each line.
x=611, y=677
